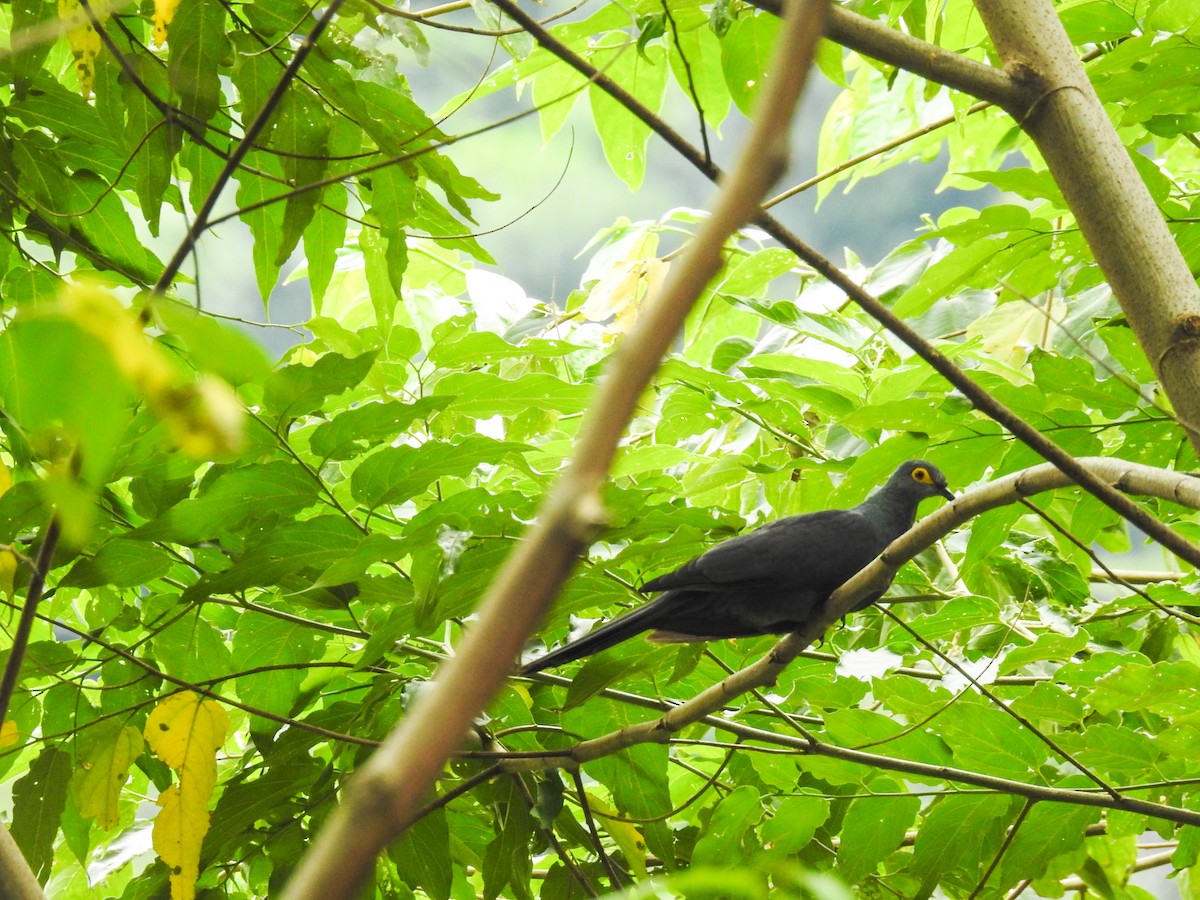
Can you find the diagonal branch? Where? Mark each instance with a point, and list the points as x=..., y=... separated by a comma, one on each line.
x=270, y=105
x=384, y=796
x=33, y=596
x=889, y=45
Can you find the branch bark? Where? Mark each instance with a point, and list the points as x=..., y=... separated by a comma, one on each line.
x=385, y=795
x=888, y=45
x=17, y=881
x=1119, y=219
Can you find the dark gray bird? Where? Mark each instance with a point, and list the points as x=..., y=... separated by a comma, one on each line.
x=771, y=580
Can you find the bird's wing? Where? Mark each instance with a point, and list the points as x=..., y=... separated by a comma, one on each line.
x=816, y=550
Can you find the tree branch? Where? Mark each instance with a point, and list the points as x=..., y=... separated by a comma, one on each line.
x=18, y=880
x=384, y=795
x=934, y=63
x=1119, y=219
x=33, y=596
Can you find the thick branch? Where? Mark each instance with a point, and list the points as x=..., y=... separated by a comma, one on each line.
x=1119, y=219
x=17, y=881
x=894, y=47
x=386, y=794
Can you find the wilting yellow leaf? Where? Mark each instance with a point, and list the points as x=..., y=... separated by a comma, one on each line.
x=620, y=291
x=204, y=416
x=164, y=12
x=179, y=830
x=98, y=312
x=104, y=769
x=84, y=40
x=185, y=732
x=9, y=733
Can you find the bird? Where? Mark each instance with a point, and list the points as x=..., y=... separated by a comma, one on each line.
x=770, y=580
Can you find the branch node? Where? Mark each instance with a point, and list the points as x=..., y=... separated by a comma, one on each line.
x=586, y=517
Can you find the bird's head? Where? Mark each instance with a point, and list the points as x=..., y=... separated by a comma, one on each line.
x=919, y=479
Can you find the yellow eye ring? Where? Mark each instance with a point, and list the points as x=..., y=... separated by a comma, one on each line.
x=921, y=474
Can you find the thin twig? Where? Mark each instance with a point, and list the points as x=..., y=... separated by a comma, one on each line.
x=20, y=641
x=200, y=223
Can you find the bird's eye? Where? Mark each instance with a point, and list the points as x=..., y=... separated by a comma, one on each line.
x=921, y=474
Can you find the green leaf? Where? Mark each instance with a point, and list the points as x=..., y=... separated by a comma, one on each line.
x=323, y=238
x=944, y=277
x=724, y=840
x=120, y=563
x=212, y=346
x=301, y=134
x=292, y=548
x=954, y=835
x=508, y=861
x=43, y=362
x=198, y=45
x=422, y=856
x=984, y=739
x=277, y=489
x=371, y=424
x=299, y=390
x=793, y=823
x=479, y=394
x=157, y=142
x=392, y=203
x=28, y=17
x=395, y=474
x=1050, y=830
x=872, y=828
x=279, y=649
x=192, y=649
x=746, y=56
x=624, y=137
x=380, y=259
x=39, y=799
x=259, y=195
x=695, y=58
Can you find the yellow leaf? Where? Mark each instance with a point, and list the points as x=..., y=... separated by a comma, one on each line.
x=164, y=12
x=104, y=768
x=628, y=838
x=185, y=732
x=97, y=311
x=204, y=416
x=179, y=831
x=620, y=291
x=9, y=734
x=85, y=42
x=8, y=574
x=5, y=478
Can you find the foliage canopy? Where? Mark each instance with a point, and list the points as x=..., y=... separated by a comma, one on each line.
x=240, y=605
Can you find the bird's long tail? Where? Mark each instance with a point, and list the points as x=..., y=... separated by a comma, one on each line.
x=598, y=639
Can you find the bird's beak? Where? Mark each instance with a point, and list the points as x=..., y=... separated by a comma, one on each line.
x=947, y=493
